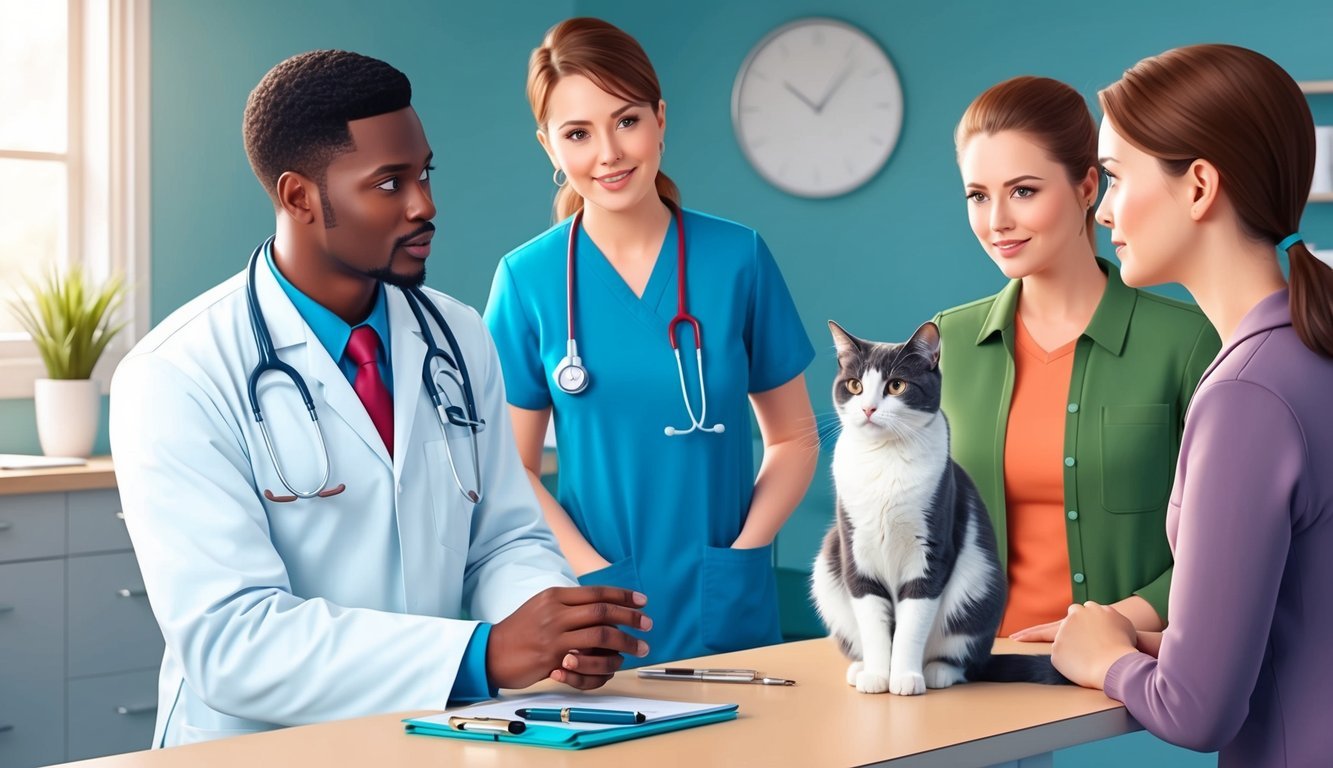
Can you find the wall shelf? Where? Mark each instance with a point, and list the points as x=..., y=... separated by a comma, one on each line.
x=1321, y=197
x=1316, y=86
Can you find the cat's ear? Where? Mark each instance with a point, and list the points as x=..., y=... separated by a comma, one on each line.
x=846, y=344
x=926, y=342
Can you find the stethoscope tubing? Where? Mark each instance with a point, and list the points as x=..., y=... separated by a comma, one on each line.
x=683, y=315
x=270, y=362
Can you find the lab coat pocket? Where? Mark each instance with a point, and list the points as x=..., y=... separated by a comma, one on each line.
x=740, y=599
x=453, y=513
x=1136, y=457
x=621, y=573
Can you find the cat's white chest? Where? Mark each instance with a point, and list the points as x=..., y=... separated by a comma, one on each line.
x=886, y=491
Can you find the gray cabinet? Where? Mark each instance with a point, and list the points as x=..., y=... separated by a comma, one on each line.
x=79, y=648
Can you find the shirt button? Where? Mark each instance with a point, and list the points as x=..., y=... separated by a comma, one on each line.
x=1073, y=407
x=1069, y=461
x=1073, y=514
x=1078, y=578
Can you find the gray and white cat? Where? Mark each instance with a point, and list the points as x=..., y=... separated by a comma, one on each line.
x=908, y=579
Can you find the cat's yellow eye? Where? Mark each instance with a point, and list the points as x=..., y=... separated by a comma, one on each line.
x=896, y=387
x=853, y=386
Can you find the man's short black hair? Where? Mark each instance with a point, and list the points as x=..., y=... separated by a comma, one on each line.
x=296, y=118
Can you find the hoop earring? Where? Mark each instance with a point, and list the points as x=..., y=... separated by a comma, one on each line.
x=559, y=177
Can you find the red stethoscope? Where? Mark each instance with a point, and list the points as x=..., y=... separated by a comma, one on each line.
x=571, y=375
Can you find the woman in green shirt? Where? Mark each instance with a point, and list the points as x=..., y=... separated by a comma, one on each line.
x=1066, y=392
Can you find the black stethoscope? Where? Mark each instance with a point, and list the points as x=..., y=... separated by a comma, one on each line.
x=571, y=375
x=445, y=410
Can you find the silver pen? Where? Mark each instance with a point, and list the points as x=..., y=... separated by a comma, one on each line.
x=712, y=675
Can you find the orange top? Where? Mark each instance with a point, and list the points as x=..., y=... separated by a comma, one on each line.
x=1034, y=491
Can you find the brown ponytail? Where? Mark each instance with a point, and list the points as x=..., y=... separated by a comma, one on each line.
x=1244, y=114
x=607, y=56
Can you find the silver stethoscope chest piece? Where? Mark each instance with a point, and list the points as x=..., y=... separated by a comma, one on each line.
x=571, y=375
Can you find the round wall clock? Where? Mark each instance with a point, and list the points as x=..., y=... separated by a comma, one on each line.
x=817, y=107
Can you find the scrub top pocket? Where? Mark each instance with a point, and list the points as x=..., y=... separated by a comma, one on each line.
x=621, y=573
x=1136, y=457
x=739, y=599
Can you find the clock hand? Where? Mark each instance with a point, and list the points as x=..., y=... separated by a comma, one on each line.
x=833, y=88
x=801, y=96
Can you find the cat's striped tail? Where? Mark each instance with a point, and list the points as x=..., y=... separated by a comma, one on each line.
x=1020, y=668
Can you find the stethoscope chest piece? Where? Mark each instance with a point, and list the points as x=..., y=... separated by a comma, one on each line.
x=570, y=374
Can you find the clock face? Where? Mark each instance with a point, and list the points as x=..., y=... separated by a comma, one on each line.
x=817, y=108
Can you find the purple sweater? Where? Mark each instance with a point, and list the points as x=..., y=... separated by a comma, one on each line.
x=1246, y=663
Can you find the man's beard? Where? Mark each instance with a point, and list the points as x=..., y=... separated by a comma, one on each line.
x=387, y=276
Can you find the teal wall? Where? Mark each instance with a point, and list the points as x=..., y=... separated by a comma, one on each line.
x=880, y=260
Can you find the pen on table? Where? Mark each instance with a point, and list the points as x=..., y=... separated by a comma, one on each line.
x=487, y=725
x=582, y=715
x=712, y=675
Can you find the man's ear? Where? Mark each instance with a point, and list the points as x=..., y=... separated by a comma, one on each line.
x=1205, y=184
x=298, y=196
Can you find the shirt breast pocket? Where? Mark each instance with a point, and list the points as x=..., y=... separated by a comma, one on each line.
x=453, y=513
x=1136, y=457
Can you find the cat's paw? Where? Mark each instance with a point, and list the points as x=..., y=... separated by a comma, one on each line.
x=941, y=674
x=907, y=683
x=853, y=670
x=871, y=682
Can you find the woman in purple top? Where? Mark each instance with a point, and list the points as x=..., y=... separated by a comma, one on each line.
x=1209, y=152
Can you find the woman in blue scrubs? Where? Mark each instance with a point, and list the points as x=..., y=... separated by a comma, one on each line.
x=680, y=517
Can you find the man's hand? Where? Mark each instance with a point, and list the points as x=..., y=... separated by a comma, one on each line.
x=568, y=634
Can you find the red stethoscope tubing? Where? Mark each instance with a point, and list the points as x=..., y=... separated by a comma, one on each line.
x=682, y=314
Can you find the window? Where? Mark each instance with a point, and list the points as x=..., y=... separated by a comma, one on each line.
x=73, y=160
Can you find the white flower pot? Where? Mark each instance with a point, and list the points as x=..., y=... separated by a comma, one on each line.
x=68, y=411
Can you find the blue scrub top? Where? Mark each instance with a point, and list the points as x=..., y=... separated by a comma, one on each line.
x=662, y=510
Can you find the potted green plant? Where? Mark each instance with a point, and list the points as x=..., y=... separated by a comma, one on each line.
x=71, y=320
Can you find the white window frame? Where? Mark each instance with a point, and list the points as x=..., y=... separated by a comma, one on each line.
x=108, y=171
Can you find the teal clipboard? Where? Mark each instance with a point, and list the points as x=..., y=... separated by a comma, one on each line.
x=559, y=738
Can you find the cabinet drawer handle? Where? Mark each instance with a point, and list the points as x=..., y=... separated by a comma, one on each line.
x=4, y=526
x=120, y=514
x=6, y=727
x=142, y=709
x=132, y=592
x=6, y=608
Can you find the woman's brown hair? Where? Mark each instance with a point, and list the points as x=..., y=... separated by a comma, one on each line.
x=1243, y=113
x=1054, y=115
x=612, y=60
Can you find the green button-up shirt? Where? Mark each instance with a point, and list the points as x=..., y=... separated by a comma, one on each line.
x=1135, y=369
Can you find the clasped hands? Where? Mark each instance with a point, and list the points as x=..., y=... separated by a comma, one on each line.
x=569, y=634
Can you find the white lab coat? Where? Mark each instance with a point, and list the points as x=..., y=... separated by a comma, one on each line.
x=287, y=613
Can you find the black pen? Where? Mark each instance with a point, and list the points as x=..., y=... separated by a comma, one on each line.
x=712, y=675
x=582, y=715
x=487, y=725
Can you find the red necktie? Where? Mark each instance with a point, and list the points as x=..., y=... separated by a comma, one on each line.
x=363, y=349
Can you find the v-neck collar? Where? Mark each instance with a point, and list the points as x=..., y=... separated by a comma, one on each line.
x=589, y=260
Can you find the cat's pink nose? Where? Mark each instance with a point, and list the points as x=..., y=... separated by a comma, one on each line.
x=868, y=412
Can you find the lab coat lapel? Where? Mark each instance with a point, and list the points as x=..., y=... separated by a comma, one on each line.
x=328, y=386
x=409, y=350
